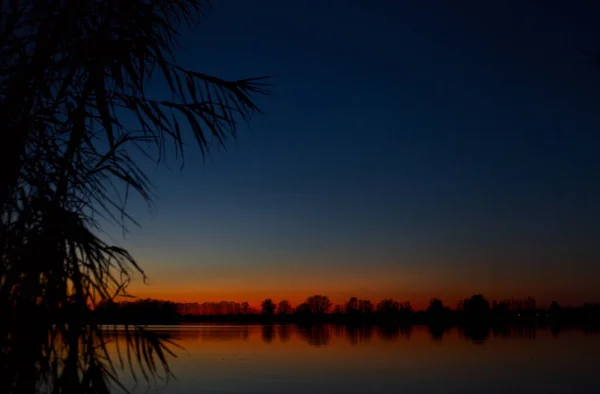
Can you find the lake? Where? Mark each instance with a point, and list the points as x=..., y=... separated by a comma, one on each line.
x=338, y=359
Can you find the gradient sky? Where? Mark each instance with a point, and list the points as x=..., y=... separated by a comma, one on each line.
x=407, y=151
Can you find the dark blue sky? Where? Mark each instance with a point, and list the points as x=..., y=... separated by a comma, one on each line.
x=408, y=147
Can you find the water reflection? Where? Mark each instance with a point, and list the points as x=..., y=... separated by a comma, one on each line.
x=268, y=333
x=284, y=332
x=315, y=334
x=320, y=335
x=476, y=333
x=355, y=359
x=80, y=359
x=90, y=360
x=437, y=332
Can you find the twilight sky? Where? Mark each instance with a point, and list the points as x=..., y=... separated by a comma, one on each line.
x=407, y=151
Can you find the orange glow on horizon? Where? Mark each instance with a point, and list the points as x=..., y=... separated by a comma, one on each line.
x=418, y=300
x=296, y=283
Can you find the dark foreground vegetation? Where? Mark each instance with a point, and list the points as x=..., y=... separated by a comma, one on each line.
x=76, y=114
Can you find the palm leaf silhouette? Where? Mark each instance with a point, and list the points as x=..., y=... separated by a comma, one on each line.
x=70, y=71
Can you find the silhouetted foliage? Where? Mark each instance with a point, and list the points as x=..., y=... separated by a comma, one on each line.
x=389, y=312
x=476, y=307
x=365, y=307
x=357, y=307
x=303, y=310
x=75, y=359
x=143, y=311
x=267, y=307
x=245, y=307
x=436, y=306
x=70, y=71
x=352, y=306
x=318, y=304
x=338, y=309
x=284, y=307
x=388, y=307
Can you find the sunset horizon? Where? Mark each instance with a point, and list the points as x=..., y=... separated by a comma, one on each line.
x=418, y=300
x=291, y=197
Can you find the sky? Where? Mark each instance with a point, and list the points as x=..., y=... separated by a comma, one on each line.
x=409, y=149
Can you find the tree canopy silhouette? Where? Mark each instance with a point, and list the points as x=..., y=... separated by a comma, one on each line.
x=318, y=304
x=268, y=307
x=284, y=307
x=388, y=306
x=70, y=73
x=435, y=306
x=476, y=307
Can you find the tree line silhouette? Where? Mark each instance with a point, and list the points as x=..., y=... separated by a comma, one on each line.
x=472, y=311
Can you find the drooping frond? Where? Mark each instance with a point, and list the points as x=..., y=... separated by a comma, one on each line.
x=74, y=109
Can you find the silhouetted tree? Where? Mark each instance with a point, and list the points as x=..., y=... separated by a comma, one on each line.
x=245, y=308
x=64, y=147
x=318, y=304
x=365, y=307
x=267, y=307
x=388, y=306
x=436, y=306
x=476, y=307
x=74, y=108
x=352, y=306
x=284, y=308
x=303, y=309
x=143, y=311
x=438, y=314
x=356, y=306
x=501, y=310
x=554, y=309
x=406, y=307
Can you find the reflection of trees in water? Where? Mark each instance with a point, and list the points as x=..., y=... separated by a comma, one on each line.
x=316, y=334
x=437, y=331
x=284, y=332
x=516, y=332
x=391, y=332
x=477, y=333
x=339, y=330
x=591, y=330
x=208, y=333
x=79, y=358
x=268, y=333
x=359, y=333
x=364, y=333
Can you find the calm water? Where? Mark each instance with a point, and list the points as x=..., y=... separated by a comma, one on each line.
x=287, y=359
